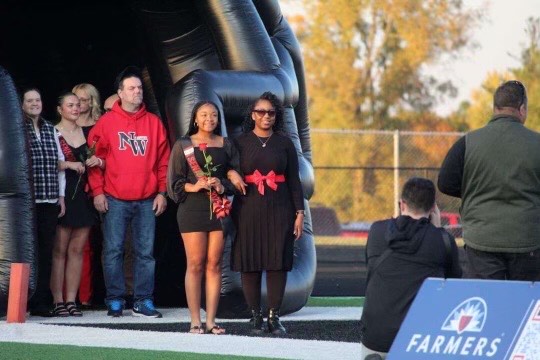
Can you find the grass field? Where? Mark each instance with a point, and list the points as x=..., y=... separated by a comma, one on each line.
x=22, y=351
x=335, y=301
x=352, y=241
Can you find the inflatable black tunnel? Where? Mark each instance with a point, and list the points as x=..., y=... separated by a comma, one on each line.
x=227, y=51
x=17, y=223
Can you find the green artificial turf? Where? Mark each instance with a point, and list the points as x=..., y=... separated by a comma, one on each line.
x=23, y=351
x=331, y=301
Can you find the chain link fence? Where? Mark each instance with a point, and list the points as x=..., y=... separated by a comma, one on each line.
x=359, y=175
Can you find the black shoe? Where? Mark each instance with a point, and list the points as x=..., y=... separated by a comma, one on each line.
x=256, y=322
x=86, y=307
x=43, y=312
x=274, y=325
x=60, y=310
x=73, y=309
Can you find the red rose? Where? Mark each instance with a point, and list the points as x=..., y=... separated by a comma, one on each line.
x=203, y=146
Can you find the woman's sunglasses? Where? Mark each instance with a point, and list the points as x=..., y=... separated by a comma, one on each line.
x=262, y=112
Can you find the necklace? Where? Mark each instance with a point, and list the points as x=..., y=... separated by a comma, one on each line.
x=263, y=143
x=69, y=131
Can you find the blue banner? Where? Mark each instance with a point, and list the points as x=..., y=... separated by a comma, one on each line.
x=471, y=319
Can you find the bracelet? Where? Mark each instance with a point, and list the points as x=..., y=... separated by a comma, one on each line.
x=298, y=212
x=100, y=162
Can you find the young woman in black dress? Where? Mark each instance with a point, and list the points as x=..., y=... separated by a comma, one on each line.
x=201, y=230
x=270, y=217
x=73, y=228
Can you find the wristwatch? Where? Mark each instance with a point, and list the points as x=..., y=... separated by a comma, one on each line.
x=163, y=193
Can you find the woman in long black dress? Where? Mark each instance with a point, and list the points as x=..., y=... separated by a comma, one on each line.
x=201, y=229
x=270, y=217
x=73, y=228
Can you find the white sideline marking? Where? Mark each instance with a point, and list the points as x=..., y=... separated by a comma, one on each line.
x=36, y=331
x=206, y=344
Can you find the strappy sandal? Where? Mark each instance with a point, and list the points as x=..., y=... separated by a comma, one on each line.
x=196, y=329
x=60, y=310
x=216, y=330
x=72, y=309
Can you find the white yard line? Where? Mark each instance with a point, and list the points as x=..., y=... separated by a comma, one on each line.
x=206, y=344
x=37, y=331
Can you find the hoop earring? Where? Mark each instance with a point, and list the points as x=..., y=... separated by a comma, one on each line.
x=195, y=124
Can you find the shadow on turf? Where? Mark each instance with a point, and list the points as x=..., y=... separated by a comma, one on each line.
x=346, y=331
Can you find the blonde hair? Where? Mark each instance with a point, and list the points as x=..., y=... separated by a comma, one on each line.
x=95, y=101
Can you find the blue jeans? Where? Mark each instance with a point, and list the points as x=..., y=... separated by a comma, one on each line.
x=115, y=222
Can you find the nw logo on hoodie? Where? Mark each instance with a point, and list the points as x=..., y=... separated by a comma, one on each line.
x=137, y=144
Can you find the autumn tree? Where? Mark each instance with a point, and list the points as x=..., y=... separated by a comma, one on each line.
x=364, y=70
x=364, y=58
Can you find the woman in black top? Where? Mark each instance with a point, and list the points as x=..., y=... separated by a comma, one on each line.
x=74, y=227
x=270, y=217
x=200, y=227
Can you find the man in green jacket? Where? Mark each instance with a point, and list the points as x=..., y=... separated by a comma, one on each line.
x=495, y=171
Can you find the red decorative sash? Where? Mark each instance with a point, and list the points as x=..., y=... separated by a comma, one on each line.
x=259, y=179
x=221, y=206
x=68, y=154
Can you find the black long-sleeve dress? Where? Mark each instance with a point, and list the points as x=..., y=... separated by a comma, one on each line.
x=194, y=208
x=265, y=223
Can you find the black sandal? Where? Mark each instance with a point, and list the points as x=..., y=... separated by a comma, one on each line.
x=196, y=329
x=60, y=310
x=216, y=328
x=72, y=309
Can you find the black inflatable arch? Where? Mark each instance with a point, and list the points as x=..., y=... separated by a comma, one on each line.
x=17, y=228
x=230, y=52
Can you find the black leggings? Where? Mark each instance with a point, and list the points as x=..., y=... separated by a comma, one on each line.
x=275, y=288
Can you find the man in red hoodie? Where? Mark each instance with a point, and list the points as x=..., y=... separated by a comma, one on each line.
x=131, y=189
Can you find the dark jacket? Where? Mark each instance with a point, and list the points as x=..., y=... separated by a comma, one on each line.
x=418, y=252
x=496, y=172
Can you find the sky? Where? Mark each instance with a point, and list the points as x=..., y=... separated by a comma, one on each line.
x=499, y=38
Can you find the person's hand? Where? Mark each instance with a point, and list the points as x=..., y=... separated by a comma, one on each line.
x=94, y=161
x=435, y=216
x=76, y=166
x=62, y=204
x=100, y=203
x=237, y=181
x=160, y=204
x=298, y=226
x=215, y=183
x=202, y=183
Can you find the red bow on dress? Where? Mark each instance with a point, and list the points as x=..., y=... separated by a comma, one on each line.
x=271, y=179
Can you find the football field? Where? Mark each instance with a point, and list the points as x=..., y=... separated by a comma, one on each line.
x=315, y=332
